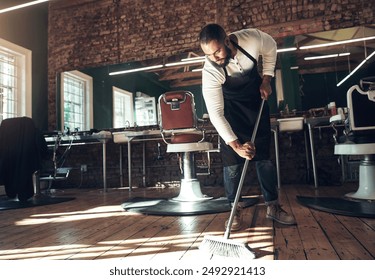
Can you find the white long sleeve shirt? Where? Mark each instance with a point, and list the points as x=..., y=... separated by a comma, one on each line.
x=256, y=43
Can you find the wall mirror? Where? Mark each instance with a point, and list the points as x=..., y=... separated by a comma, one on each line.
x=322, y=66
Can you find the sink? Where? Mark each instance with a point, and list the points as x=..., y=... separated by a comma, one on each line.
x=313, y=121
x=291, y=124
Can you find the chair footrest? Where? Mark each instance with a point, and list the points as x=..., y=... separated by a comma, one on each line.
x=189, y=147
x=355, y=149
x=49, y=178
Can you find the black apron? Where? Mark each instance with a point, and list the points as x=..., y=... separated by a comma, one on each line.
x=242, y=101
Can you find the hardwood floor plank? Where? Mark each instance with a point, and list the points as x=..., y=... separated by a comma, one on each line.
x=96, y=245
x=361, y=232
x=287, y=239
x=140, y=243
x=180, y=237
x=316, y=246
x=171, y=239
x=89, y=240
x=369, y=222
x=39, y=224
x=213, y=227
x=117, y=241
x=260, y=233
x=345, y=245
x=66, y=233
x=288, y=244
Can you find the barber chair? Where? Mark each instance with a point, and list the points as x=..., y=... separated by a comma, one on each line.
x=179, y=129
x=358, y=136
x=22, y=150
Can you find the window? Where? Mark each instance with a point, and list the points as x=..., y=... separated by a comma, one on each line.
x=15, y=81
x=145, y=109
x=76, y=101
x=123, y=108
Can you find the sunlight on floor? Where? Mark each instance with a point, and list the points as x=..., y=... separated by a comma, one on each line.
x=93, y=213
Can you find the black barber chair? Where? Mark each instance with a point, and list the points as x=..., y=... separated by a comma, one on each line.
x=22, y=149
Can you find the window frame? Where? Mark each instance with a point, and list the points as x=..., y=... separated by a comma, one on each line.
x=115, y=91
x=24, y=79
x=88, y=122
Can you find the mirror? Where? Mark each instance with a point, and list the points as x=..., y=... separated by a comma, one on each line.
x=146, y=86
x=318, y=71
x=307, y=82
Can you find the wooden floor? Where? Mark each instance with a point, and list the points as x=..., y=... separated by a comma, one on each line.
x=94, y=226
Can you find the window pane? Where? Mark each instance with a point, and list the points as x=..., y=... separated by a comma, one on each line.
x=123, y=108
x=74, y=93
x=8, y=90
x=145, y=108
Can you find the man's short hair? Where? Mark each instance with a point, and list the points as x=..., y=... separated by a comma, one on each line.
x=212, y=32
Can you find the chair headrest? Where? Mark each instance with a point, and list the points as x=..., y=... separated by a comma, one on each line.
x=175, y=96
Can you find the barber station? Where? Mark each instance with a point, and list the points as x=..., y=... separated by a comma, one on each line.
x=130, y=133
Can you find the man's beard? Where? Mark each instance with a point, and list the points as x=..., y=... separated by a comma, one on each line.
x=227, y=58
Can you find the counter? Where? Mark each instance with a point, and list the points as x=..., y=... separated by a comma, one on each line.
x=130, y=136
x=103, y=137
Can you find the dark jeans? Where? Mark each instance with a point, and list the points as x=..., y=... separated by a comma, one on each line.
x=267, y=178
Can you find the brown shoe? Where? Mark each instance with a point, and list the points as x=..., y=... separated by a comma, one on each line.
x=237, y=220
x=276, y=213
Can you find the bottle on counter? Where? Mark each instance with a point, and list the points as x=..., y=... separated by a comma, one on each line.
x=332, y=108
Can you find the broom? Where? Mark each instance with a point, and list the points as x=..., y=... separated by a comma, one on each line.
x=223, y=246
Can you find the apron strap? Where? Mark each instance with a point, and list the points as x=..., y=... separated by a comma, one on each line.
x=245, y=53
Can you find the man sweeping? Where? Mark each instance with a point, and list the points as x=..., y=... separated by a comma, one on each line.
x=233, y=91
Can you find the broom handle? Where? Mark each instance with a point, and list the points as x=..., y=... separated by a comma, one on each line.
x=243, y=175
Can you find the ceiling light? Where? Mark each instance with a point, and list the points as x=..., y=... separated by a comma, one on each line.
x=193, y=58
x=22, y=6
x=184, y=62
x=356, y=69
x=286, y=50
x=326, y=56
x=135, y=70
x=337, y=43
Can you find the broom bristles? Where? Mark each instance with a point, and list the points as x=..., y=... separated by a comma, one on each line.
x=215, y=245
